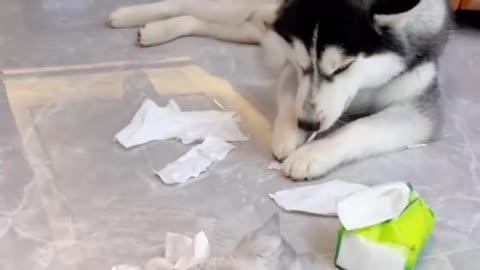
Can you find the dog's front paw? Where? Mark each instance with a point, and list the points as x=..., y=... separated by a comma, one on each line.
x=309, y=161
x=127, y=17
x=286, y=140
x=283, y=146
x=167, y=30
x=156, y=33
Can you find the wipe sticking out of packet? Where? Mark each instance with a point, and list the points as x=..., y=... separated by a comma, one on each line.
x=321, y=199
x=373, y=205
x=383, y=227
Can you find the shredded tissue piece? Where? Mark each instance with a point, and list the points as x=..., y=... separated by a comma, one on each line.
x=152, y=122
x=195, y=161
x=181, y=253
x=275, y=165
x=319, y=199
x=312, y=137
x=416, y=146
x=125, y=267
x=196, y=251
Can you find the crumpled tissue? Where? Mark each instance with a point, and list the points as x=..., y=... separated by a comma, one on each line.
x=152, y=122
x=181, y=253
x=195, y=161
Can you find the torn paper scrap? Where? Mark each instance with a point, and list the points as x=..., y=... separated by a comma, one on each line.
x=172, y=105
x=319, y=199
x=199, y=251
x=200, y=246
x=125, y=267
x=195, y=161
x=183, y=251
x=312, y=137
x=275, y=165
x=218, y=104
x=373, y=205
x=416, y=146
x=152, y=122
x=177, y=245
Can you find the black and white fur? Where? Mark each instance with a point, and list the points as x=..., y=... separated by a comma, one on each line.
x=334, y=58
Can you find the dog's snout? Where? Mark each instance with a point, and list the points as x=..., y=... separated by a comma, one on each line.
x=309, y=126
x=309, y=106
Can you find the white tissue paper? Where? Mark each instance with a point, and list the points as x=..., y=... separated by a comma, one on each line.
x=195, y=161
x=152, y=122
x=125, y=267
x=275, y=166
x=183, y=251
x=177, y=245
x=416, y=146
x=319, y=199
x=373, y=205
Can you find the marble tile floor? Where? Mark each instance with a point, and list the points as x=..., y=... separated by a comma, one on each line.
x=70, y=198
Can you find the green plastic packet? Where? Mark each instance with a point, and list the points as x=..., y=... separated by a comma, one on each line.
x=395, y=244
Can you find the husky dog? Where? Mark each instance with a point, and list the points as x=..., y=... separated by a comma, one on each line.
x=377, y=58
x=264, y=249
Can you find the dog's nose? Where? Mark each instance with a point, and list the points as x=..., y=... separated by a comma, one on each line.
x=308, y=125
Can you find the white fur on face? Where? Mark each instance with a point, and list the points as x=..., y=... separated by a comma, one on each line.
x=300, y=55
x=323, y=100
x=333, y=58
x=366, y=72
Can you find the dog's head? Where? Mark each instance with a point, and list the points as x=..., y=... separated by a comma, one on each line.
x=338, y=48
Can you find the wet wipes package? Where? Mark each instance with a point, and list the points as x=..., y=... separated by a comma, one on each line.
x=383, y=227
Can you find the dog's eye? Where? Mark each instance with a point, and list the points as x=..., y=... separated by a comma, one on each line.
x=341, y=69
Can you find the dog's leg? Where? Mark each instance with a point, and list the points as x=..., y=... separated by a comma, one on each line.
x=137, y=15
x=392, y=129
x=251, y=30
x=166, y=30
x=286, y=134
x=274, y=48
x=220, y=11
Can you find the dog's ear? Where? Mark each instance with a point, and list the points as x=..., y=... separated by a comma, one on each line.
x=392, y=13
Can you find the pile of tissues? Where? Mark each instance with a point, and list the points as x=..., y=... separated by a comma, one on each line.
x=214, y=128
x=181, y=253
